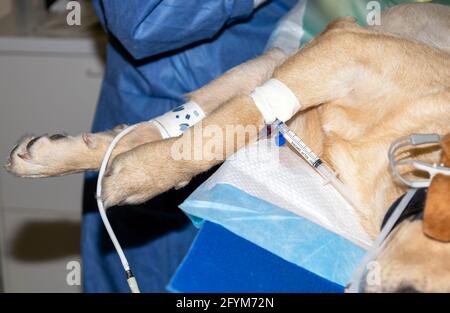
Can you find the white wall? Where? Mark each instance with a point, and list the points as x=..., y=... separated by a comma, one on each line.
x=47, y=85
x=5, y=9
x=40, y=220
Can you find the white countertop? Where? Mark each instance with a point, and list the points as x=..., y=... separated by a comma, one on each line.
x=49, y=45
x=54, y=36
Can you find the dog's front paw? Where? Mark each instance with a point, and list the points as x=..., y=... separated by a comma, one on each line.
x=142, y=173
x=41, y=156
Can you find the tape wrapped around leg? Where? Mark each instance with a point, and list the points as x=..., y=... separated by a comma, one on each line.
x=175, y=122
x=275, y=101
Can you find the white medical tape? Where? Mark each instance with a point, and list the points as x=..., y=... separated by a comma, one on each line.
x=175, y=122
x=275, y=101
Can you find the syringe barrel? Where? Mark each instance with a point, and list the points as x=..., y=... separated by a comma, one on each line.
x=330, y=177
x=298, y=144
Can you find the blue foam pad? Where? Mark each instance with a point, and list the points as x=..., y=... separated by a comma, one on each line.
x=289, y=236
x=220, y=261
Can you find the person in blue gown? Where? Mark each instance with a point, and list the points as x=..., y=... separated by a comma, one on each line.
x=157, y=51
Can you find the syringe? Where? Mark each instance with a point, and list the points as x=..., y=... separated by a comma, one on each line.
x=322, y=168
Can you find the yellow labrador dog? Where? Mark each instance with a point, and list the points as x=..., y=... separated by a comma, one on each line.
x=359, y=89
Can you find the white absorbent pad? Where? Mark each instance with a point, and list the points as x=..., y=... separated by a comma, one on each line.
x=272, y=197
x=279, y=176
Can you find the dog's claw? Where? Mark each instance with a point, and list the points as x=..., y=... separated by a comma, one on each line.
x=57, y=136
x=33, y=141
x=13, y=151
x=24, y=156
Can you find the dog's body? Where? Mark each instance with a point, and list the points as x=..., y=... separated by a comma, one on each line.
x=360, y=89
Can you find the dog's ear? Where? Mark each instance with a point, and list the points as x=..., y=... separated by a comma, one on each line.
x=446, y=150
x=436, y=220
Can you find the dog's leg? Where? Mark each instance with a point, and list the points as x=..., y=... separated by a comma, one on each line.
x=323, y=74
x=148, y=170
x=60, y=155
x=240, y=80
x=341, y=67
x=57, y=155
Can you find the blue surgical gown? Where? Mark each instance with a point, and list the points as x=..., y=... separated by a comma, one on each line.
x=159, y=50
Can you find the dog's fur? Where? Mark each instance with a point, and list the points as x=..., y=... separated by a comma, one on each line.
x=360, y=89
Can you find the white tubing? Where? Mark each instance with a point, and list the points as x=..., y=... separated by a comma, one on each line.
x=378, y=243
x=131, y=281
x=170, y=125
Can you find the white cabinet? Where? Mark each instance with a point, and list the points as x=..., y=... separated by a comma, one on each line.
x=46, y=86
